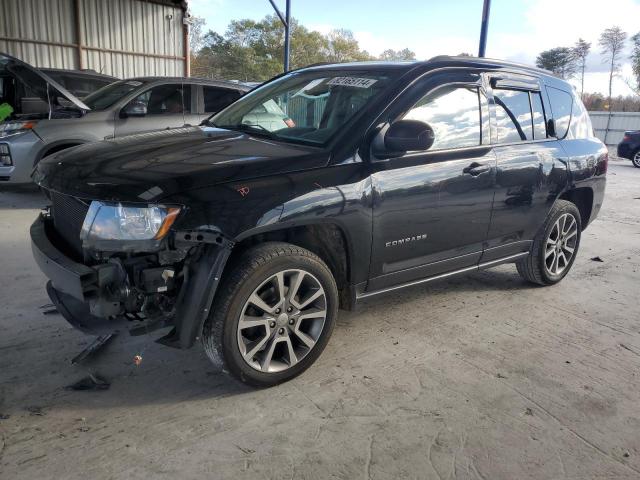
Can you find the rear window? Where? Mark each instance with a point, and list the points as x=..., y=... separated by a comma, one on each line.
x=561, y=103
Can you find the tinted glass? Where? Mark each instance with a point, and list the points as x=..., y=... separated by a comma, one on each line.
x=163, y=99
x=215, y=99
x=580, y=126
x=561, y=108
x=539, y=125
x=513, y=115
x=107, y=96
x=304, y=107
x=454, y=115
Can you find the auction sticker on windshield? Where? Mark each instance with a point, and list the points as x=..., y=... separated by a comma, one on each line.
x=352, y=82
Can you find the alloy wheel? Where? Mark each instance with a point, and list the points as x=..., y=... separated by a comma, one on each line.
x=561, y=244
x=636, y=159
x=282, y=321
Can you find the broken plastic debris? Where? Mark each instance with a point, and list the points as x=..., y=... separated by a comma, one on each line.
x=137, y=360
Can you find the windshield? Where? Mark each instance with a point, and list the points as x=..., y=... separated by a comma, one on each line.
x=306, y=107
x=107, y=96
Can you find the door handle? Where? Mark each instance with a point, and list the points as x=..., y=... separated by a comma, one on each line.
x=476, y=169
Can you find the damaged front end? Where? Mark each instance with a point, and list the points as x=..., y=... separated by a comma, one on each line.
x=114, y=266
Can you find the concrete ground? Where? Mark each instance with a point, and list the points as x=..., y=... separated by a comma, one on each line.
x=481, y=376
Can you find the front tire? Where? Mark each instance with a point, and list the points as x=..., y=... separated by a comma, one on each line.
x=273, y=316
x=635, y=159
x=555, y=246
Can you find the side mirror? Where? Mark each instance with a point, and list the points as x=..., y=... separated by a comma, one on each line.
x=134, y=109
x=408, y=135
x=551, y=128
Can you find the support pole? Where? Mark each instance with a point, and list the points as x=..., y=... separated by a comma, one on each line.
x=286, y=21
x=78, y=27
x=484, y=28
x=287, y=36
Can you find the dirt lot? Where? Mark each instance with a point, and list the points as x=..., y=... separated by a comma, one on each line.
x=482, y=376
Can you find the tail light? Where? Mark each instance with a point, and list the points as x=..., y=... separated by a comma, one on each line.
x=626, y=137
x=603, y=164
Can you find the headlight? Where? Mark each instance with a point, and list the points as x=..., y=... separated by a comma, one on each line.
x=115, y=221
x=11, y=128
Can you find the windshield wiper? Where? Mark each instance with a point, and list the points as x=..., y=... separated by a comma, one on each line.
x=248, y=127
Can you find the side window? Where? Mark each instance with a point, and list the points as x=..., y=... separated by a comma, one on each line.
x=163, y=99
x=454, y=114
x=513, y=115
x=561, y=109
x=539, y=122
x=580, y=126
x=215, y=99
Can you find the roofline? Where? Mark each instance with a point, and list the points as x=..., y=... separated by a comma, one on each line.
x=439, y=59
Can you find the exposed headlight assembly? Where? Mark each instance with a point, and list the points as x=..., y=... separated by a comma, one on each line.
x=116, y=222
x=12, y=128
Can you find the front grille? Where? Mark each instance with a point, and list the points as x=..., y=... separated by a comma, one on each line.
x=68, y=216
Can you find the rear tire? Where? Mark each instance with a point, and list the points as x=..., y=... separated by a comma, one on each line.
x=635, y=158
x=273, y=316
x=555, y=246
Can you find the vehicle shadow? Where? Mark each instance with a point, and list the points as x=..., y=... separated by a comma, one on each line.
x=41, y=370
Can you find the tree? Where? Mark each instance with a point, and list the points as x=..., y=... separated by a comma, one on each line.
x=612, y=42
x=397, y=55
x=252, y=50
x=635, y=61
x=559, y=60
x=580, y=52
x=196, y=36
x=343, y=47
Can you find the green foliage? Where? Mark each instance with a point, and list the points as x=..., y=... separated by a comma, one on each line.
x=252, y=50
x=397, y=55
x=559, y=60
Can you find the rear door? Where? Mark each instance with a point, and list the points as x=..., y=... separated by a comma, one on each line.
x=531, y=169
x=165, y=106
x=432, y=208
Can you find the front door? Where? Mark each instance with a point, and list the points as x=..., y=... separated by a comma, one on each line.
x=165, y=106
x=432, y=209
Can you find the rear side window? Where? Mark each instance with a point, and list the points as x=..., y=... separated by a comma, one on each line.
x=215, y=99
x=580, y=126
x=513, y=115
x=561, y=102
x=453, y=113
x=539, y=122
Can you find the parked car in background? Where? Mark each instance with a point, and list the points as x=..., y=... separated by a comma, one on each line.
x=19, y=88
x=250, y=237
x=121, y=108
x=629, y=147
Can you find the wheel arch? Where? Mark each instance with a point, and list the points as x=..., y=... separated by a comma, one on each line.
x=582, y=198
x=328, y=240
x=55, y=147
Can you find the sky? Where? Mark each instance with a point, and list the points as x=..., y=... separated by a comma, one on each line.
x=518, y=29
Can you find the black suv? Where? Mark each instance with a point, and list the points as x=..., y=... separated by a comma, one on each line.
x=629, y=147
x=320, y=188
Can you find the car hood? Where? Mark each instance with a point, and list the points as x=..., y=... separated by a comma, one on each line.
x=153, y=166
x=40, y=84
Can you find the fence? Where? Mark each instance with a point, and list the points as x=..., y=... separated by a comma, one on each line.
x=620, y=122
